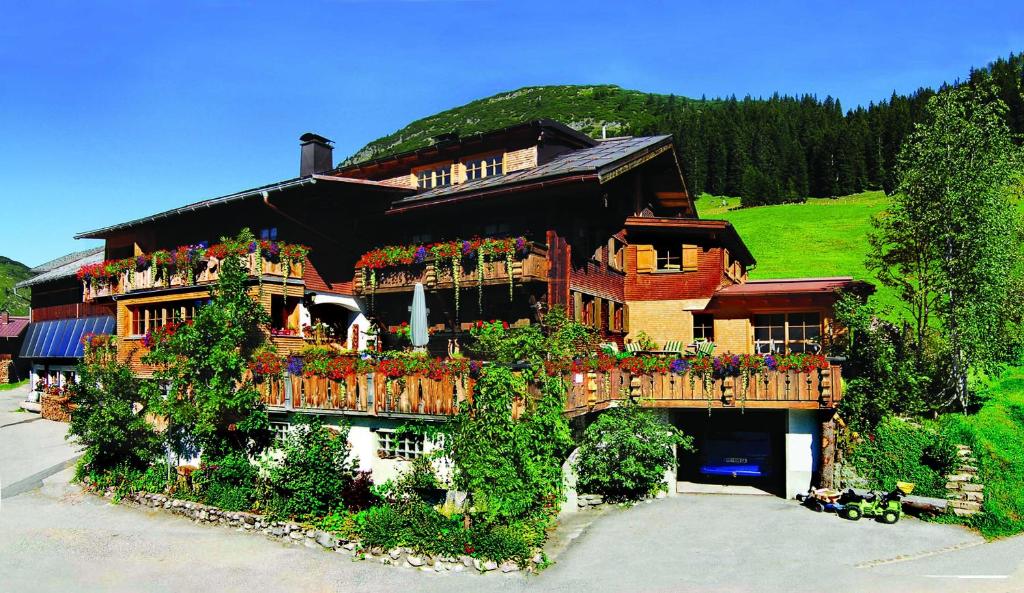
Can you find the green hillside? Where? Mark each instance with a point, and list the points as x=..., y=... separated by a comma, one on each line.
x=12, y=272
x=821, y=237
x=585, y=108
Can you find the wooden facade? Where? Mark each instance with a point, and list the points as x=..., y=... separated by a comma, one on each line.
x=613, y=237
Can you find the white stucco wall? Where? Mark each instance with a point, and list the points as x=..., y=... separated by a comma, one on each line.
x=803, y=450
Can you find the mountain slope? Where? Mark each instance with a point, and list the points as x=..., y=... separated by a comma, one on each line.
x=584, y=108
x=12, y=272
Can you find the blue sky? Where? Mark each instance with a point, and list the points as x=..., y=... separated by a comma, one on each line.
x=114, y=110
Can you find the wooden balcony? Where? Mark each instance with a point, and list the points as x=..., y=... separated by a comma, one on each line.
x=208, y=273
x=370, y=394
x=533, y=267
x=774, y=390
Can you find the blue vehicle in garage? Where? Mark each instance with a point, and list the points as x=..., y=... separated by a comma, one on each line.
x=736, y=455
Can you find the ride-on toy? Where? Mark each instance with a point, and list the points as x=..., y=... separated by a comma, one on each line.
x=823, y=499
x=886, y=507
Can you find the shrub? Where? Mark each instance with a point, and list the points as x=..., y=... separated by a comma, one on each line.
x=625, y=453
x=905, y=451
x=313, y=475
x=228, y=483
x=507, y=542
x=381, y=526
x=105, y=421
x=358, y=493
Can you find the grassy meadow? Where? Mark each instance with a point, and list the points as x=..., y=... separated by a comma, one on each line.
x=820, y=237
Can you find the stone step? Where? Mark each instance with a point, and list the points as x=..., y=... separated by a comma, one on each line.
x=961, y=477
x=971, y=487
x=967, y=505
x=964, y=512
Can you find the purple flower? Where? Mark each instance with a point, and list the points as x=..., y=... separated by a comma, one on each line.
x=520, y=244
x=203, y=244
x=679, y=366
x=770, y=362
x=295, y=365
x=273, y=248
x=253, y=246
x=467, y=248
x=141, y=262
x=420, y=255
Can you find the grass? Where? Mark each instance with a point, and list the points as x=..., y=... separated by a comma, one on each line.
x=821, y=237
x=10, y=386
x=996, y=433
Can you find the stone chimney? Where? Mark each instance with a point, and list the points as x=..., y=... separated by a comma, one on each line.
x=317, y=154
x=5, y=317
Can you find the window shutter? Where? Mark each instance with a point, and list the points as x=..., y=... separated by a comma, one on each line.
x=598, y=310
x=625, y=318
x=611, y=316
x=645, y=258
x=689, y=258
x=577, y=306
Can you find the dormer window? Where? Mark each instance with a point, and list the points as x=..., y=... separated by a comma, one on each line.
x=484, y=167
x=438, y=177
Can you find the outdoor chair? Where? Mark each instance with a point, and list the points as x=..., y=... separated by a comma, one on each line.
x=633, y=347
x=703, y=348
x=610, y=347
x=673, y=346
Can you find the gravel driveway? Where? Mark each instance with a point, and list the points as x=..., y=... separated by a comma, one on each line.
x=55, y=538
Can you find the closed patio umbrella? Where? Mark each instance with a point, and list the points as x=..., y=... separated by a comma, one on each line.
x=418, y=317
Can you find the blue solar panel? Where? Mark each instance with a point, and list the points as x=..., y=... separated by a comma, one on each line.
x=62, y=338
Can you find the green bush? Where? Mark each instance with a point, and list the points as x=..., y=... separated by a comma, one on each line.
x=626, y=451
x=313, y=475
x=229, y=483
x=507, y=542
x=381, y=526
x=106, y=421
x=905, y=451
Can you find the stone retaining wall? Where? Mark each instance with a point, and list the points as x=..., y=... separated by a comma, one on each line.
x=56, y=407
x=964, y=491
x=297, y=534
x=6, y=370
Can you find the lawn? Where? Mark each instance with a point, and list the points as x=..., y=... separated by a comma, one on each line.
x=10, y=386
x=821, y=237
x=996, y=433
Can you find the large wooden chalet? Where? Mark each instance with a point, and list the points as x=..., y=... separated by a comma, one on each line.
x=608, y=231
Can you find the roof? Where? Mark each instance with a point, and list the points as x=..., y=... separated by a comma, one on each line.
x=453, y=139
x=60, y=261
x=788, y=286
x=602, y=161
x=69, y=266
x=62, y=338
x=728, y=234
x=13, y=327
x=260, y=192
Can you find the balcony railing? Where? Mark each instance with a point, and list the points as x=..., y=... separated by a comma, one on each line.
x=371, y=393
x=774, y=389
x=208, y=272
x=368, y=393
x=434, y=274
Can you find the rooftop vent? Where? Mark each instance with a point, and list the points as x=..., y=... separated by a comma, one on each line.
x=317, y=154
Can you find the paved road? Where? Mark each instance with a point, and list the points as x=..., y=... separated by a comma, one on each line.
x=55, y=538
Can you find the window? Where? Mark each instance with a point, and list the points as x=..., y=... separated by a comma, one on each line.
x=284, y=315
x=438, y=177
x=669, y=259
x=704, y=327
x=498, y=229
x=405, y=446
x=146, y=318
x=280, y=431
x=779, y=333
x=269, y=234
x=484, y=167
x=804, y=332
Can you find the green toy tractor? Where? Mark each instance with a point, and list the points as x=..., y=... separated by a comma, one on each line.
x=888, y=508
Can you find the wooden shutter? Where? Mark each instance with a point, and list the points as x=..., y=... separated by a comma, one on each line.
x=645, y=260
x=577, y=306
x=598, y=310
x=625, y=318
x=690, y=258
